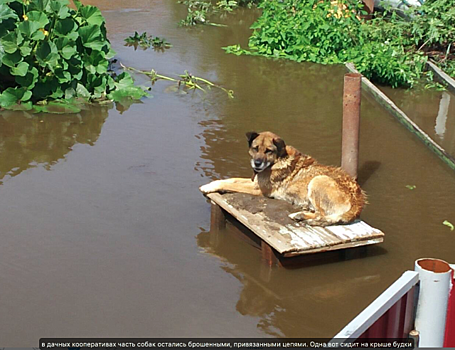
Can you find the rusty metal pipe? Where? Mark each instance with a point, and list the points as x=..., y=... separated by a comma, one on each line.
x=351, y=123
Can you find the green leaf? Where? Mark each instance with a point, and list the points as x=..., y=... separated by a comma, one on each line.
x=91, y=37
x=67, y=28
x=11, y=42
x=91, y=15
x=411, y=187
x=21, y=69
x=78, y=4
x=25, y=48
x=449, y=224
x=47, y=54
x=38, y=17
x=63, y=76
x=29, y=80
x=69, y=51
x=82, y=91
x=6, y=12
x=110, y=54
x=27, y=28
x=11, y=60
x=12, y=96
x=66, y=47
x=60, y=8
x=96, y=62
x=39, y=5
x=125, y=88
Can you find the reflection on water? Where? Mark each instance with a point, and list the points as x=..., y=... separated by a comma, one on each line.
x=433, y=111
x=28, y=140
x=288, y=304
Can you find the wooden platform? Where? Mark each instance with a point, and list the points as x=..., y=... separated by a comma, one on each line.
x=268, y=219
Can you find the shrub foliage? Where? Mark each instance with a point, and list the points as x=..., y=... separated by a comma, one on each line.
x=390, y=49
x=49, y=51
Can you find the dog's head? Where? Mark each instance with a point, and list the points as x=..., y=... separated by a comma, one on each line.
x=265, y=149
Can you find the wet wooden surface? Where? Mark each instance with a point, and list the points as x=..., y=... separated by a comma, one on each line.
x=268, y=219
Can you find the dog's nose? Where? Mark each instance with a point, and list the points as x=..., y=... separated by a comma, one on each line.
x=257, y=162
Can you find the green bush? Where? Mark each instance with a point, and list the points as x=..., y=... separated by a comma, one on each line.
x=390, y=49
x=49, y=51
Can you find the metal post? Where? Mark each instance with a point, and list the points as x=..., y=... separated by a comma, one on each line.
x=435, y=283
x=351, y=123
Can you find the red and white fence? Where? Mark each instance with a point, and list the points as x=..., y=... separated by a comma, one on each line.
x=422, y=300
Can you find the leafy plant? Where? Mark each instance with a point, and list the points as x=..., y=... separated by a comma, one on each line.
x=146, y=41
x=49, y=52
x=389, y=49
x=199, y=11
x=227, y=5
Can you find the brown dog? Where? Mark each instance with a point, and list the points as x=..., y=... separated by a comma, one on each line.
x=326, y=194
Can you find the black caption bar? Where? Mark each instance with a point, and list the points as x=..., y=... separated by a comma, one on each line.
x=220, y=343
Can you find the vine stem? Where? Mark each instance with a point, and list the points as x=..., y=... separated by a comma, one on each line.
x=187, y=79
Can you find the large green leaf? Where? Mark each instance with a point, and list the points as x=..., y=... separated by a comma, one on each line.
x=91, y=15
x=66, y=47
x=66, y=27
x=6, y=12
x=20, y=70
x=11, y=59
x=27, y=28
x=29, y=80
x=60, y=8
x=78, y=4
x=26, y=48
x=63, y=76
x=11, y=42
x=39, y=5
x=91, y=37
x=96, y=62
x=38, y=17
x=125, y=88
x=82, y=91
x=47, y=54
x=12, y=96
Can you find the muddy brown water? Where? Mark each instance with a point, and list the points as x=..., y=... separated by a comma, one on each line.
x=103, y=230
x=433, y=111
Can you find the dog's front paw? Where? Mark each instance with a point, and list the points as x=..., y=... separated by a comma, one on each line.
x=210, y=187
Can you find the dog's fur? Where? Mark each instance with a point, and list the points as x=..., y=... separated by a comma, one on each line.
x=327, y=195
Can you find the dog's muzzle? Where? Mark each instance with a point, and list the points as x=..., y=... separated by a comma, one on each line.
x=259, y=165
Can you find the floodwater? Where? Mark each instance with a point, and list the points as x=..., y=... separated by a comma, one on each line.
x=103, y=230
x=433, y=111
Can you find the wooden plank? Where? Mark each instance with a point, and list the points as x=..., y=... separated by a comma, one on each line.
x=386, y=102
x=290, y=238
x=442, y=76
x=379, y=307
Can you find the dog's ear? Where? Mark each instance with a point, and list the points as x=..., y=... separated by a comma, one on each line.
x=251, y=135
x=280, y=147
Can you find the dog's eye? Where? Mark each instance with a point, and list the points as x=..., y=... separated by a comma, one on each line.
x=256, y=149
x=268, y=151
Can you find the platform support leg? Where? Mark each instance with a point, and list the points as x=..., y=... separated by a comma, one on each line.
x=268, y=255
x=217, y=218
x=353, y=253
